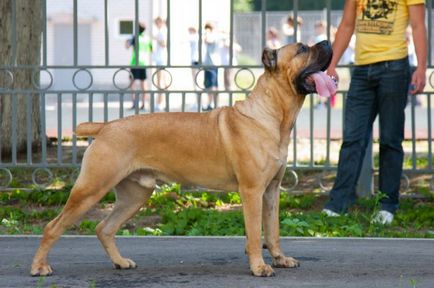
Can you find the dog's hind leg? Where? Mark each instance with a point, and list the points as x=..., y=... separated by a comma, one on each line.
x=92, y=184
x=130, y=197
x=270, y=219
x=79, y=202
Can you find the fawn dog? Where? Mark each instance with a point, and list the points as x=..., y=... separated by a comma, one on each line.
x=240, y=148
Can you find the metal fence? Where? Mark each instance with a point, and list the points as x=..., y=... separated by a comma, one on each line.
x=62, y=109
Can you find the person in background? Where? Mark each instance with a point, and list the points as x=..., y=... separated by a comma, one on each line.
x=193, y=40
x=320, y=30
x=212, y=58
x=138, y=73
x=412, y=59
x=346, y=59
x=273, y=38
x=160, y=58
x=379, y=86
x=288, y=30
x=225, y=58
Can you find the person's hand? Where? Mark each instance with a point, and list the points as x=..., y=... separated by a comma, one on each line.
x=331, y=71
x=418, y=81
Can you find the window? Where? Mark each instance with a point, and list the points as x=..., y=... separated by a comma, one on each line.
x=126, y=27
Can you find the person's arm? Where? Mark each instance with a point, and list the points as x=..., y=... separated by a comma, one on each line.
x=129, y=43
x=161, y=39
x=210, y=37
x=343, y=35
x=162, y=43
x=417, y=22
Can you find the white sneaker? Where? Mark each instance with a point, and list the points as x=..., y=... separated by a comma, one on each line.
x=330, y=213
x=383, y=217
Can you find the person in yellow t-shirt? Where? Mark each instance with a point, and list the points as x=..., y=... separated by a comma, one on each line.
x=379, y=86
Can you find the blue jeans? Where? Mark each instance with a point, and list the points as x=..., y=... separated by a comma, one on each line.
x=211, y=78
x=380, y=88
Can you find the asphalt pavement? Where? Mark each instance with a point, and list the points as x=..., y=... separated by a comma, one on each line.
x=220, y=262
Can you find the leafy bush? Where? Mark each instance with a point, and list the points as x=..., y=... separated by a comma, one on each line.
x=288, y=201
x=195, y=221
x=200, y=213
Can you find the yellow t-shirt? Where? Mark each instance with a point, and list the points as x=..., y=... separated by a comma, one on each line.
x=380, y=30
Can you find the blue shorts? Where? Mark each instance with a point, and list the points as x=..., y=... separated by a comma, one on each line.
x=211, y=78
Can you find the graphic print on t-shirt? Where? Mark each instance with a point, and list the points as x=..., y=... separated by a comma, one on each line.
x=376, y=16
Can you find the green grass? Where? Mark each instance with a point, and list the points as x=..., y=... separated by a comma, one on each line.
x=200, y=213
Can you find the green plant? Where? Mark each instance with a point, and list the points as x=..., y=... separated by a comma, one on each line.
x=125, y=232
x=202, y=213
x=92, y=284
x=11, y=224
x=297, y=227
x=230, y=198
x=88, y=226
x=195, y=221
x=297, y=202
x=373, y=226
x=40, y=282
x=413, y=283
x=145, y=231
x=246, y=60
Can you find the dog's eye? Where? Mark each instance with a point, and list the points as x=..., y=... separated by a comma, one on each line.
x=302, y=49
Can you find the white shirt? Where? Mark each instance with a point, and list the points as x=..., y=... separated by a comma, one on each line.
x=160, y=51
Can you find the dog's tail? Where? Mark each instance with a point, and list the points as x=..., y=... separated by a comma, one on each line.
x=89, y=129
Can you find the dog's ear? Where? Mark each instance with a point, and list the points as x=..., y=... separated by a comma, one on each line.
x=269, y=59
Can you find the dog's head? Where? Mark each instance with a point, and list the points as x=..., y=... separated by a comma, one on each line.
x=299, y=61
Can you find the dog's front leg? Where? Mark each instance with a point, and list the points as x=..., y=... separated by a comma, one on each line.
x=252, y=208
x=270, y=216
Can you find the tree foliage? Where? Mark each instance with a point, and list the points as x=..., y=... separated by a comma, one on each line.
x=243, y=5
x=288, y=5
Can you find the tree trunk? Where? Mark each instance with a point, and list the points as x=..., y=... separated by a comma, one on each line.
x=28, y=52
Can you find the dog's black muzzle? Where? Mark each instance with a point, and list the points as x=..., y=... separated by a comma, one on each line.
x=322, y=56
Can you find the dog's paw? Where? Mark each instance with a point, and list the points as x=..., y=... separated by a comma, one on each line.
x=285, y=262
x=263, y=270
x=41, y=270
x=125, y=263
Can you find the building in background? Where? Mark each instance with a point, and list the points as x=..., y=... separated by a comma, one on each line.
x=91, y=42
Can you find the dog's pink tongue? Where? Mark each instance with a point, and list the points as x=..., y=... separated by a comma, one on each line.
x=324, y=84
